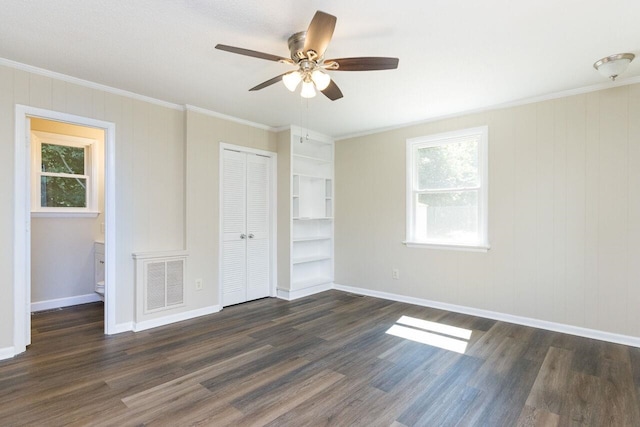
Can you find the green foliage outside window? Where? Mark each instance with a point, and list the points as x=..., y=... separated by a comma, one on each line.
x=450, y=166
x=63, y=191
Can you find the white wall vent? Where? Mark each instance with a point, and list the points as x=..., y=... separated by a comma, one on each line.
x=160, y=279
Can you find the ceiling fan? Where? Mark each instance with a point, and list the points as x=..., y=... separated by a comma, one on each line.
x=307, y=54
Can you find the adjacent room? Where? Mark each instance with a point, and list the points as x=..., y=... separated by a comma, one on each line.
x=320, y=213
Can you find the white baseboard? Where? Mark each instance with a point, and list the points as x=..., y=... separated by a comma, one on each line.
x=7, y=353
x=172, y=318
x=64, y=302
x=519, y=320
x=305, y=292
x=122, y=327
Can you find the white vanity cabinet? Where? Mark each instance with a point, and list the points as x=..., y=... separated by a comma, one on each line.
x=98, y=248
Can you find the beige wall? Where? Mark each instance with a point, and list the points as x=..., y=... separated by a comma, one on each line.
x=167, y=164
x=149, y=175
x=564, y=215
x=203, y=137
x=284, y=210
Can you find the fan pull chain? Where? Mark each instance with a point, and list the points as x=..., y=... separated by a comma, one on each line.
x=304, y=124
x=307, y=121
x=301, y=100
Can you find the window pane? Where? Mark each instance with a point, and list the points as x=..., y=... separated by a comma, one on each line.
x=57, y=192
x=62, y=159
x=450, y=217
x=448, y=166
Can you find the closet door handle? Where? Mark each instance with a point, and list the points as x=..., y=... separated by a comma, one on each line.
x=251, y=235
x=242, y=236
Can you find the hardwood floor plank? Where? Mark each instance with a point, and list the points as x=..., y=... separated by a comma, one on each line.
x=548, y=391
x=267, y=407
x=503, y=408
x=583, y=401
x=498, y=364
x=620, y=395
x=534, y=417
x=198, y=376
x=443, y=391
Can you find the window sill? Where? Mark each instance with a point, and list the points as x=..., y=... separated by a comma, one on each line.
x=469, y=248
x=68, y=214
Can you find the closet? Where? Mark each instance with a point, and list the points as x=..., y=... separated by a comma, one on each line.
x=246, y=219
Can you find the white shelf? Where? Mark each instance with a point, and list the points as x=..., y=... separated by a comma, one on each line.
x=307, y=176
x=310, y=259
x=311, y=239
x=317, y=160
x=321, y=218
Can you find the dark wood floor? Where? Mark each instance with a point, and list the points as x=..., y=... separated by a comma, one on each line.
x=321, y=360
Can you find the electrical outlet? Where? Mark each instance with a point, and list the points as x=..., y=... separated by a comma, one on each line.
x=198, y=284
x=395, y=273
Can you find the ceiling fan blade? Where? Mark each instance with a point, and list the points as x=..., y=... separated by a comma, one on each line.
x=366, y=63
x=319, y=32
x=253, y=53
x=332, y=91
x=269, y=82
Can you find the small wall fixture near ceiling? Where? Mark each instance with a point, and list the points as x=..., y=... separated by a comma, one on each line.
x=614, y=65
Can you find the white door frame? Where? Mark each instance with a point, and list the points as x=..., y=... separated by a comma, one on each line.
x=273, y=229
x=22, y=220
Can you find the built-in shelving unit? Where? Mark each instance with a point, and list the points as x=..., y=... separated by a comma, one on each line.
x=311, y=212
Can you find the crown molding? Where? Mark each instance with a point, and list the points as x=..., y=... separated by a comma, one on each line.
x=87, y=83
x=229, y=118
x=517, y=103
x=92, y=85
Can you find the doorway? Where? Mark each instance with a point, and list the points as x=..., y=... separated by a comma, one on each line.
x=247, y=213
x=67, y=214
x=23, y=196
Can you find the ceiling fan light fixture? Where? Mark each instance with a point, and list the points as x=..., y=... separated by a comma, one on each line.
x=614, y=65
x=291, y=80
x=308, y=90
x=321, y=79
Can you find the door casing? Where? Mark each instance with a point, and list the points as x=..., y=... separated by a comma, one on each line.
x=22, y=219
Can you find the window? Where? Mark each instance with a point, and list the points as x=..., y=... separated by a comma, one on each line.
x=447, y=190
x=63, y=175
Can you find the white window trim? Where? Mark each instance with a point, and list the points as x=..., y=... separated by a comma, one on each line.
x=483, y=172
x=91, y=175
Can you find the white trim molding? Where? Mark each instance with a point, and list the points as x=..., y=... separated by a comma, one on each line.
x=87, y=83
x=173, y=318
x=503, y=317
x=122, y=327
x=289, y=295
x=519, y=102
x=22, y=218
x=7, y=353
x=64, y=302
x=132, y=95
x=229, y=118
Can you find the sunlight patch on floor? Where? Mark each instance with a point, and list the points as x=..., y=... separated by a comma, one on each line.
x=446, y=337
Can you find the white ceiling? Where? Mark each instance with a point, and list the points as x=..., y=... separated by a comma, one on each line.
x=455, y=55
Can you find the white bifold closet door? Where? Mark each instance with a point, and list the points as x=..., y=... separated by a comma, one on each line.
x=245, y=227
